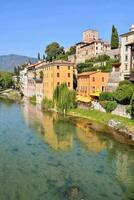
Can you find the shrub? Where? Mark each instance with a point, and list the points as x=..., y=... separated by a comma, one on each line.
x=123, y=94
x=46, y=104
x=106, y=96
x=109, y=106
x=33, y=99
x=132, y=105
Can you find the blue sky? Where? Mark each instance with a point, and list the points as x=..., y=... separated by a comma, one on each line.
x=27, y=26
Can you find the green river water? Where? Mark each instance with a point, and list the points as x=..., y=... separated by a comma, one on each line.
x=48, y=157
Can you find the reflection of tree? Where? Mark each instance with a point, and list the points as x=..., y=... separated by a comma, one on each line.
x=38, y=127
x=63, y=128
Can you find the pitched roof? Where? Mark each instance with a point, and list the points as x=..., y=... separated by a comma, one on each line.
x=88, y=73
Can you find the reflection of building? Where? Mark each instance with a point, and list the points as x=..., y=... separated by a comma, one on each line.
x=90, y=47
x=45, y=125
x=127, y=53
x=90, y=139
x=90, y=84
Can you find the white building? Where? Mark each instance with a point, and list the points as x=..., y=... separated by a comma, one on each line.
x=127, y=53
x=23, y=81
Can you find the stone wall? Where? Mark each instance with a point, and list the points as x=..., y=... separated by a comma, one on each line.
x=121, y=111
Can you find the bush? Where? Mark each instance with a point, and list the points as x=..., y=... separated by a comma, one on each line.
x=132, y=105
x=123, y=94
x=46, y=104
x=106, y=96
x=33, y=99
x=109, y=106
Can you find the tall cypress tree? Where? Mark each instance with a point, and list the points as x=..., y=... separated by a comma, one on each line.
x=114, y=38
x=38, y=56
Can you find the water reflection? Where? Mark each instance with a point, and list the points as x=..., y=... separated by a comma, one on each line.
x=49, y=157
x=55, y=130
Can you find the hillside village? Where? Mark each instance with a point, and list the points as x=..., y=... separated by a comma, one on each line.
x=94, y=70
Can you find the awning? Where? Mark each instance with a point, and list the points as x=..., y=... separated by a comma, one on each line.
x=83, y=99
x=95, y=94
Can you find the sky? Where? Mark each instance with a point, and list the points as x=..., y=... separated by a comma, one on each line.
x=27, y=26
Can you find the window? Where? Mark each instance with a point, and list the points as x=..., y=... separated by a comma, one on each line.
x=103, y=79
x=58, y=75
x=58, y=83
x=126, y=48
x=69, y=67
x=58, y=67
x=103, y=88
x=68, y=84
x=126, y=58
x=96, y=48
x=126, y=38
x=93, y=89
x=93, y=79
x=68, y=75
x=126, y=67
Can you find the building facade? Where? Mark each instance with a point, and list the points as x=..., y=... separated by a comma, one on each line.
x=56, y=73
x=90, y=47
x=127, y=53
x=91, y=84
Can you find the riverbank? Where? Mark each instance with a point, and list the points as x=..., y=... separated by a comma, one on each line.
x=125, y=128
x=10, y=94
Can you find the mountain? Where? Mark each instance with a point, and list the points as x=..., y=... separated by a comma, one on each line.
x=8, y=62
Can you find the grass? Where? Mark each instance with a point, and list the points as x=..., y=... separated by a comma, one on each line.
x=101, y=117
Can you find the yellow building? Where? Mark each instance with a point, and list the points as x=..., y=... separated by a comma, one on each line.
x=56, y=73
x=91, y=84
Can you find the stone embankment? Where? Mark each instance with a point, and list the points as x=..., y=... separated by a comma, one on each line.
x=118, y=126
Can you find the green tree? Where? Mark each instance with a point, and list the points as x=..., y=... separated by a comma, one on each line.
x=44, y=57
x=6, y=80
x=15, y=71
x=53, y=50
x=64, y=98
x=72, y=50
x=123, y=94
x=114, y=38
x=38, y=56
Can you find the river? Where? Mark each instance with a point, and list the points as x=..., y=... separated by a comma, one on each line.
x=46, y=156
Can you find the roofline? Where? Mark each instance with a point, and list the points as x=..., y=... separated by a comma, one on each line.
x=55, y=63
x=90, y=30
x=88, y=73
x=128, y=33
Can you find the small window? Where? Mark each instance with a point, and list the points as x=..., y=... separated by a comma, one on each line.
x=58, y=75
x=68, y=75
x=93, y=79
x=103, y=88
x=126, y=48
x=103, y=79
x=58, y=83
x=68, y=84
x=58, y=67
x=126, y=38
x=126, y=58
x=68, y=67
x=126, y=67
